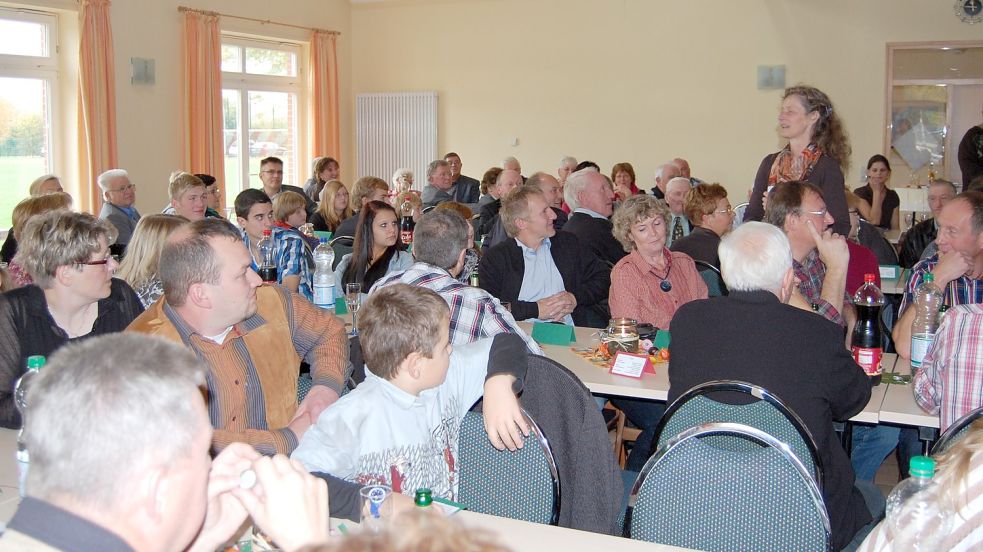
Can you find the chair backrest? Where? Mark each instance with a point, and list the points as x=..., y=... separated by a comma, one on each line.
x=739, y=214
x=520, y=485
x=304, y=384
x=694, y=495
x=342, y=245
x=711, y=275
x=956, y=431
x=769, y=414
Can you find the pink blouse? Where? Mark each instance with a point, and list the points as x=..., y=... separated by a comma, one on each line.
x=636, y=292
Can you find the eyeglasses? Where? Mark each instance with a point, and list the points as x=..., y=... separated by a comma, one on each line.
x=729, y=211
x=214, y=191
x=100, y=262
x=272, y=172
x=126, y=188
x=819, y=213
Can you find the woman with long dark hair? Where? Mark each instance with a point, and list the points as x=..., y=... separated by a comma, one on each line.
x=817, y=151
x=376, y=251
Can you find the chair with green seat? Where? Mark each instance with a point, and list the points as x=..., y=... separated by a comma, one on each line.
x=767, y=412
x=520, y=485
x=711, y=276
x=696, y=495
x=342, y=245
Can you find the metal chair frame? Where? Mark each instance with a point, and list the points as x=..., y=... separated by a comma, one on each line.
x=729, y=429
x=758, y=393
x=954, y=432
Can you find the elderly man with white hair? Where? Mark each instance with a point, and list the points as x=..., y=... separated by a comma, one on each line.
x=760, y=339
x=679, y=225
x=663, y=174
x=591, y=198
x=119, y=195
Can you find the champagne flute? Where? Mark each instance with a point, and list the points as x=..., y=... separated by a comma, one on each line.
x=353, y=300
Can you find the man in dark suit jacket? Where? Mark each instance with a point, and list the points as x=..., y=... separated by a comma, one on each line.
x=464, y=189
x=556, y=279
x=591, y=198
x=795, y=354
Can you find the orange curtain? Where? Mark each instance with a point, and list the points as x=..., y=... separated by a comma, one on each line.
x=324, y=132
x=97, y=101
x=204, y=139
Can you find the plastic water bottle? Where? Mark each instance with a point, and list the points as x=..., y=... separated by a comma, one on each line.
x=34, y=364
x=324, y=275
x=267, y=255
x=928, y=299
x=865, y=342
x=917, y=518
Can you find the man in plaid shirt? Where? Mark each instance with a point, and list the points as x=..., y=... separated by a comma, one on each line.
x=957, y=267
x=950, y=382
x=819, y=257
x=439, y=244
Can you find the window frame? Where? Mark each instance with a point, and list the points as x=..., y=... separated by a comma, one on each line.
x=244, y=83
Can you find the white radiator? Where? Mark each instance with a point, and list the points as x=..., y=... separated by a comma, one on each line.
x=396, y=130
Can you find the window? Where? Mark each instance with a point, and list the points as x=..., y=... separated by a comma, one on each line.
x=28, y=73
x=262, y=91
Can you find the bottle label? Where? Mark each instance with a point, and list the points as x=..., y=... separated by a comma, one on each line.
x=324, y=296
x=869, y=358
x=406, y=236
x=919, y=346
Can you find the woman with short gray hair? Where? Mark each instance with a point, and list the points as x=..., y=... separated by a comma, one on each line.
x=74, y=297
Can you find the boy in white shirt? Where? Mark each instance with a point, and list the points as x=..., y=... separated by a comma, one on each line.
x=400, y=427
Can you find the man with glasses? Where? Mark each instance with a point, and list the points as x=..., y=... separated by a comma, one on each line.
x=213, y=196
x=819, y=256
x=271, y=174
x=119, y=196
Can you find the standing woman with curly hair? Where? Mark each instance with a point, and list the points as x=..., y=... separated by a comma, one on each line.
x=817, y=151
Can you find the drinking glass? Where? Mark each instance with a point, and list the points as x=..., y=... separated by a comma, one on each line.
x=376, y=506
x=353, y=300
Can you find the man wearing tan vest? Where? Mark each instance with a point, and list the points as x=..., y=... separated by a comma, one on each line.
x=252, y=337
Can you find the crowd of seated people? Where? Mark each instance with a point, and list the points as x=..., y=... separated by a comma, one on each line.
x=440, y=325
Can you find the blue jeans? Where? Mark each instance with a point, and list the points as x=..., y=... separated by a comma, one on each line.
x=872, y=444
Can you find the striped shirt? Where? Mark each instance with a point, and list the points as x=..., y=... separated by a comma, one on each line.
x=950, y=382
x=636, y=291
x=293, y=258
x=474, y=312
x=252, y=374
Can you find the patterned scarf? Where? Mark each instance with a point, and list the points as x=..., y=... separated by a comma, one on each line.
x=788, y=167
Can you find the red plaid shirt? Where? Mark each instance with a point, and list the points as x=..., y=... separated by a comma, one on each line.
x=811, y=273
x=950, y=382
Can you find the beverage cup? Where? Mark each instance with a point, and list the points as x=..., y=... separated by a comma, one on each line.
x=376, y=506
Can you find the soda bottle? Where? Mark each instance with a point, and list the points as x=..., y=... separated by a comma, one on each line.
x=407, y=224
x=865, y=342
x=917, y=518
x=34, y=364
x=267, y=265
x=928, y=300
x=324, y=275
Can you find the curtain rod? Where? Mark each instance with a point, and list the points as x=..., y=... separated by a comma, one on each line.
x=261, y=21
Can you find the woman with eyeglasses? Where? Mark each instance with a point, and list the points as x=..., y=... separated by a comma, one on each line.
x=650, y=283
x=74, y=295
x=817, y=151
x=709, y=211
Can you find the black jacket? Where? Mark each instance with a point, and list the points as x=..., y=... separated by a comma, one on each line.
x=595, y=235
x=700, y=244
x=915, y=241
x=797, y=356
x=502, y=268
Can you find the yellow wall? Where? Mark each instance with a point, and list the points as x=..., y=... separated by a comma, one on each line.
x=636, y=80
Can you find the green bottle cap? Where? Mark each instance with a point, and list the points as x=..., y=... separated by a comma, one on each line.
x=921, y=466
x=928, y=277
x=35, y=362
x=424, y=497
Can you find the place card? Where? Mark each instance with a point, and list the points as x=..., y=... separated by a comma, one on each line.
x=890, y=272
x=340, y=307
x=553, y=334
x=322, y=234
x=631, y=365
